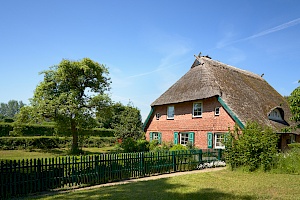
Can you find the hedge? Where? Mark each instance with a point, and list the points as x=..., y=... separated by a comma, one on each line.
x=7, y=129
x=50, y=142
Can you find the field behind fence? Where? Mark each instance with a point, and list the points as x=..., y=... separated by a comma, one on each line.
x=22, y=177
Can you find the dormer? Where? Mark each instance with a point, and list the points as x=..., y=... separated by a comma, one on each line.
x=277, y=115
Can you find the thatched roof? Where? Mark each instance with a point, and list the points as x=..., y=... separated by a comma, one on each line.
x=247, y=94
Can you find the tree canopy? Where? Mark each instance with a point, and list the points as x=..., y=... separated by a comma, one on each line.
x=70, y=94
x=127, y=123
x=11, y=108
x=294, y=101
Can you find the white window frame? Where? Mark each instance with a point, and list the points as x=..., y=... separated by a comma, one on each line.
x=217, y=111
x=155, y=136
x=170, y=112
x=183, y=138
x=217, y=140
x=195, y=113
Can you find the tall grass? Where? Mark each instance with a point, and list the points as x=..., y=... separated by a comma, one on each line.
x=288, y=162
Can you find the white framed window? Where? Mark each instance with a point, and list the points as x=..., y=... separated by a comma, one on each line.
x=155, y=136
x=219, y=141
x=183, y=138
x=170, y=112
x=197, y=109
x=217, y=111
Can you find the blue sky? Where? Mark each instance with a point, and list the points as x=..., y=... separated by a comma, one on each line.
x=147, y=45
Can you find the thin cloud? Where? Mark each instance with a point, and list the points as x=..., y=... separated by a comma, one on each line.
x=157, y=70
x=263, y=33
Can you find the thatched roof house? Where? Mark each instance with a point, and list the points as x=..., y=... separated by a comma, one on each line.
x=248, y=95
x=211, y=86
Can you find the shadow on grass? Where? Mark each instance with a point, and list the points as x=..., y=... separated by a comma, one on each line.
x=148, y=190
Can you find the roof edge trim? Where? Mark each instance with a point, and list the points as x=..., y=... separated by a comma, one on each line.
x=229, y=111
x=148, y=118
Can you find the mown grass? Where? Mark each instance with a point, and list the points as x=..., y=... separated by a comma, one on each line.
x=38, y=153
x=223, y=185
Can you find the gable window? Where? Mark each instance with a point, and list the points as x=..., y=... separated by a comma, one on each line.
x=155, y=136
x=197, y=109
x=217, y=111
x=275, y=115
x=184, y=138
x=170, y=112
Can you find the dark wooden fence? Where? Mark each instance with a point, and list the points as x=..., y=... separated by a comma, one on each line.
x=22, y=177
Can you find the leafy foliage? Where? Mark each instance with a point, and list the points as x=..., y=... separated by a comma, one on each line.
x=69, y=95
x=48, y=142
x=130, y=145
x=10, y=109
x=294, y=101
x=128, y=123
x=288, y=162
x=254, y=148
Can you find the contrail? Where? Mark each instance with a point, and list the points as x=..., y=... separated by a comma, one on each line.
x=157, y=70
x=263, y=33
x=275, y=29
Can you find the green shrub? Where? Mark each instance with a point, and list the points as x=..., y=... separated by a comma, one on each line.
x=32, y=130
x=178, y=147
x=130, y=145
x=50, y=142
x=5, y=128
x=49, y=129
x=255, y=148
x=155, y=146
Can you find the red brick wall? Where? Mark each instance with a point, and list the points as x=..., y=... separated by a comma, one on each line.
x=184, y=122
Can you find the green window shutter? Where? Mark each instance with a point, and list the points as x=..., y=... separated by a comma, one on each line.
x=191, y=137
x=175, y=137
x=159, y=138
x=209, y=140
x=151, y=136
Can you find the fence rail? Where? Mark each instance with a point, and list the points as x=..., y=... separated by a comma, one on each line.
x=22, y=177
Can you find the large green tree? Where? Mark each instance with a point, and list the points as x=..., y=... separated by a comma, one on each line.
x=128, y=122
x=70, y=95
x=294, y=101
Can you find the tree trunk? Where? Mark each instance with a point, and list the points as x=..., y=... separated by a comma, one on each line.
x=74, y=149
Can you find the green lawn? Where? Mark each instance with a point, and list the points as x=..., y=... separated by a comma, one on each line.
x=225, y=185
x=38, y=153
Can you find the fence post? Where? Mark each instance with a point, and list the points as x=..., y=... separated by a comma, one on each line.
x=142, y=166
x=200, y=156
x=39, y=175
x=219, y=154
x=174, y=161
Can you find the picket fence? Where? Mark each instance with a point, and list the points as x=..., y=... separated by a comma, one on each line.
x=23, y=177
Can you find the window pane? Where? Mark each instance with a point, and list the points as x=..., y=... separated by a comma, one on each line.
x=184, y=138
x=219, y=141
x=170, y=114
x=197, y=110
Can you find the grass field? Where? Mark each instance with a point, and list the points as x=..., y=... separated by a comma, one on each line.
x=223, y=185
x=38, y=153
